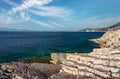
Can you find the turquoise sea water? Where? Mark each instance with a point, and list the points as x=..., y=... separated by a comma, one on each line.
x=15, y=46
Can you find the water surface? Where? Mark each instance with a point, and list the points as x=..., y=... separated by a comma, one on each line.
x=16, y=46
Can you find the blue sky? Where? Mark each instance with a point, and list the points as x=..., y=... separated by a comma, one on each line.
x=58, y=15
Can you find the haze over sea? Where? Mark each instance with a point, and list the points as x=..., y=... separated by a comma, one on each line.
x=15, y=46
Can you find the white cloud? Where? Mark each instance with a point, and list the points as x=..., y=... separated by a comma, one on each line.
x=25, y=16
x=57, y=24
x=43, y=23
x=30, y=3
x=36, y=7
x=51, y=25
x=8, y=17
x=22, y=12
x=4, y=18
x=12, y=19
x=52, y=11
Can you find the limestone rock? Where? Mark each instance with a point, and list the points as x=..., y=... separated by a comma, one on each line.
x=110, y=39
x=96, y=66
x=27, y=71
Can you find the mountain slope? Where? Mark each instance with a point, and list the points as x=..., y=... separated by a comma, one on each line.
x=115, y=26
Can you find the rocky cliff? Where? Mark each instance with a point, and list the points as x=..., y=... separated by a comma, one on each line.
x=96, y=66
x=102, y=63
x=110, y=39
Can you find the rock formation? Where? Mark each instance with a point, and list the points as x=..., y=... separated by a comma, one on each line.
x=19, y=70
x=96, y=66
x=110, y=39
x=102, y=63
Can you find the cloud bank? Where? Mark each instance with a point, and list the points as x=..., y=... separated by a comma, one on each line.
x=22, y=12
x=41, y=13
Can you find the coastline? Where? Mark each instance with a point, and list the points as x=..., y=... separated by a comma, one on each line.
x=96, y=41
x=20, y=70
x=41, y=46
x=101, y=63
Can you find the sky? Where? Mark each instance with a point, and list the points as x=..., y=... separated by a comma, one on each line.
x=58, y=15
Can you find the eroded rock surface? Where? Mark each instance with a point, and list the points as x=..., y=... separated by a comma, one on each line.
x=96, y=66
x=110, y=39
x=27, y=71
x=102, y=63
x=63, y=75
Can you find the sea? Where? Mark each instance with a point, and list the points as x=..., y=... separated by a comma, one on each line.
x=23, y=46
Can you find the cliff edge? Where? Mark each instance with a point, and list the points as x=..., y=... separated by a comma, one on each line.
x=102, y=63
x=111, y=39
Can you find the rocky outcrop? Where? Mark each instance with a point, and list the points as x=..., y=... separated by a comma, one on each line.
x=102, y=63
x=57, y=58
x=63, y=75
x=96, y=66
x=27, y=71
x=110, y=39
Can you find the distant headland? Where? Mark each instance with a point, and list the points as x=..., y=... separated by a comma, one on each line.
x=115, y=26
x=101, y=63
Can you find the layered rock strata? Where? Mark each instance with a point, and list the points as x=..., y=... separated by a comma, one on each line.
x=102, y=63
x=97, y=66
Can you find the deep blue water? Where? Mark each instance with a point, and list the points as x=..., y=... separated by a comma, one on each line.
x=16, y=46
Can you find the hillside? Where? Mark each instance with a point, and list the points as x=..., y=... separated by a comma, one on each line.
x=115, y=26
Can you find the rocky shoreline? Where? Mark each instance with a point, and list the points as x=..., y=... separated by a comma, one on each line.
x=111, y=39
x=19, y=70
x=102, y=63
